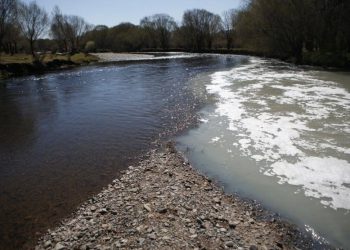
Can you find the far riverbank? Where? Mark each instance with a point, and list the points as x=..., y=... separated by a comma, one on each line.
x=22, y=64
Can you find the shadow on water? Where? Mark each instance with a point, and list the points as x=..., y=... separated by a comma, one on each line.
x=63, y=136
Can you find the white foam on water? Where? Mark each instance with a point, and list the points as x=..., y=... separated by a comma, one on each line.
x=294, y=122
x=215, y=139
x=320, y=177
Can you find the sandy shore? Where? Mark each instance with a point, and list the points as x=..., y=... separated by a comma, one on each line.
x=117, y=57
x=110, y=57
x=163, y=203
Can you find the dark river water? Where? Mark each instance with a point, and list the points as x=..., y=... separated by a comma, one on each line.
x=65, y=135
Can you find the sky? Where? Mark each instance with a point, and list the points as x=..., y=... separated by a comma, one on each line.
x=113, y=12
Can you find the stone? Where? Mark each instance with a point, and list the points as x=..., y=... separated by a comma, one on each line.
x=152, y=236
x=162, y=210
x=133, y=190
x=147, y=207
x=229, y=244
x=59, y=246
x=253, y=247
x=232, y=224
x=116, y=245
x=141, y=241
x=47, y=243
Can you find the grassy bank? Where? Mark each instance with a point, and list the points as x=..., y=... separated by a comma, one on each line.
x=24, y=64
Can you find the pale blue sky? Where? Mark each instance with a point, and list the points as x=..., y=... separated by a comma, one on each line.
x=113, y=12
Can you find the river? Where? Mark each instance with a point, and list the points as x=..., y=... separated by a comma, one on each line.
x=66, y=135
x=267, y=130
x=279, y=134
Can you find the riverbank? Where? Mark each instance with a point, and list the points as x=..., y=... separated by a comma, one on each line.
x=337, y=61
x=20, y=65
x=164, y=203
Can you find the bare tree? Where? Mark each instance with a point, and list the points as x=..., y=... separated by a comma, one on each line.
x=159, y=27
x=8, y=11
x=214, y=26
x=76, y=28
x=58, y=29
x=68, y=30
x=199, y=28
x=229, y=21
x=33, y=21
x=11, y=38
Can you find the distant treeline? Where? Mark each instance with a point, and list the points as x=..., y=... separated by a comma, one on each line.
x=311, y=31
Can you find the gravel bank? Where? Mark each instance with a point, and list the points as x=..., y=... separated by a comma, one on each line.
x=117, y=57
x=163, y=203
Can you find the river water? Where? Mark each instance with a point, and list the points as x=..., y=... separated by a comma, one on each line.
x=269, y=131
x=279, y=134
x=66, y=135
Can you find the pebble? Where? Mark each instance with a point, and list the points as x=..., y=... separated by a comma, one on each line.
x=47, y=243
x=59, y=246
x=152, y=236
x=122, y=216
x=141, y=241
x=147, y=207
x=253, y=247
x=229, y=243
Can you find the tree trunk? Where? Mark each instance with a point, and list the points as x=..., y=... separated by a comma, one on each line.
x=31, y=43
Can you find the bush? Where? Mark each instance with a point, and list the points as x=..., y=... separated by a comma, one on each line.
x=90, y=46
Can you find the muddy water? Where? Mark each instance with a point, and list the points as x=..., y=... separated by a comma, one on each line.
x=63, y=136
x=279, y=134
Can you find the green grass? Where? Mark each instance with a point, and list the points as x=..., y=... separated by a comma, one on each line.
x=17, y=58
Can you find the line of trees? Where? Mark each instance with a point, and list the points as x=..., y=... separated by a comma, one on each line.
x=23, y=27
x=287, y=29
x=295, y=28
x=199, y=30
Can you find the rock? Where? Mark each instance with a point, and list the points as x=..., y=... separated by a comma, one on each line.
x=147, y=207
x=162, y=210
x=116, y=245
x=232, y=224
x=140, y=241
x=93, y=209
x=47, y=243
x=152, y=236
x=279, y=244
x=103, y=211
x=59, y=246
x=229, y=244
x=253, y=247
